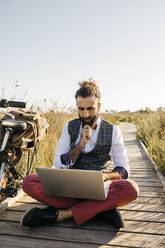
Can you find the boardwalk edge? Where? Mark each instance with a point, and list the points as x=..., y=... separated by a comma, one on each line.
x=159, y=174
x=10, y=201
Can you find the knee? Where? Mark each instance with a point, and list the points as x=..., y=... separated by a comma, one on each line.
x=132, y=189
x=129, y=188
x=135, y=188
x=28, y=182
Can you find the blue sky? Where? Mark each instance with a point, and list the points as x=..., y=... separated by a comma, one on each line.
x=48, y=46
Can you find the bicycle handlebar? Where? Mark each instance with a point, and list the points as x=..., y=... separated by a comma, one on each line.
x=4, y=103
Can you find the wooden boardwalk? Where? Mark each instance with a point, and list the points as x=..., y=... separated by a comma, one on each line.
x=144, y=218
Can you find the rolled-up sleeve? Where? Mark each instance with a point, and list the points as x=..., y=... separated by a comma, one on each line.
x=118, y=152
x=62, y=158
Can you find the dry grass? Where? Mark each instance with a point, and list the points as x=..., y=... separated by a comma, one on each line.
x=151, y=130
x=152, y=133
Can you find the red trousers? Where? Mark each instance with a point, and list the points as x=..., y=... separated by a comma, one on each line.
x=121, y=192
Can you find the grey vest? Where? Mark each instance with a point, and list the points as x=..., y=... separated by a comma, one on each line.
x=99, y=157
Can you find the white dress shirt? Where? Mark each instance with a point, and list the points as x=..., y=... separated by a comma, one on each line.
x=117, y=151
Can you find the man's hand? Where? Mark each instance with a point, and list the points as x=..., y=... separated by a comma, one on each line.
x=110, y=176
x=85, y=135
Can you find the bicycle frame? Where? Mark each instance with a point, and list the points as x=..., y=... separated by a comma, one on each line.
x=8, y=173
x=3, y=163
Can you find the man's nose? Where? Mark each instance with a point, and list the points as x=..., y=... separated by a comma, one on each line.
x=86, y=114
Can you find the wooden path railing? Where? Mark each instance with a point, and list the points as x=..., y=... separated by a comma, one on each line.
x=144, y=218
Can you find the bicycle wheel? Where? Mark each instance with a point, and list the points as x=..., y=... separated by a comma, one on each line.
x=8, y=186
x=3, y=177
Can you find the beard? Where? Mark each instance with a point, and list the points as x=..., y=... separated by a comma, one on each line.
x=91, y=121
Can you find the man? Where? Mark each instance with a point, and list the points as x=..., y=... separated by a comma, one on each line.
x=86, y=143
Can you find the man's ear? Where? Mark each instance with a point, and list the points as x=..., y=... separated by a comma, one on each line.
x=99, y=105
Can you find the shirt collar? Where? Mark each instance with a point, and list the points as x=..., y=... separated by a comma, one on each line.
x=98, y=123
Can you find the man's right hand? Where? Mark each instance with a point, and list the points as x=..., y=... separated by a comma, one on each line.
x=85, y=135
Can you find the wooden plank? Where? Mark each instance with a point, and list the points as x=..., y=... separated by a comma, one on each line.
x=143, y=216
x=152, y=194
x=157, y=208
x=19, y=242
x=150, y=200
x=93, y=236
x=15, y=215
x=141, y=170
x=144, y=179
x=158, y=189
x=146, y=227
x=144, y=176
x=140, y=199
x=149, y=184
x=132, y=206
x=147, y=199
x=10, y=201
x=155, y=222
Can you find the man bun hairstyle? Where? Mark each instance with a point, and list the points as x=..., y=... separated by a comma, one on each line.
x=88, y=88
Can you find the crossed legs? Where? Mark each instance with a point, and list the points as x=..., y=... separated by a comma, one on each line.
x=121, y=192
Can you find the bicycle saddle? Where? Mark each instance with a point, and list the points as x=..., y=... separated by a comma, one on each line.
x=16, y=125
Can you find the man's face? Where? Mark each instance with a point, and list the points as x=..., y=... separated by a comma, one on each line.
x=88, y=109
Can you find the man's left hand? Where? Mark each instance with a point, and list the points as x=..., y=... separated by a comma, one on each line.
x=110, y=176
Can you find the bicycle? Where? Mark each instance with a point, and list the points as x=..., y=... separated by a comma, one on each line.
x=8, y=172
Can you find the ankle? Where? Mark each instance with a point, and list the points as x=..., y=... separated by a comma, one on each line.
x=64, y=214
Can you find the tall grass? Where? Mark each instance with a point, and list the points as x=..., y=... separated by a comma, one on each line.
x=152, y=133
x=151, y=130
x=47, y=146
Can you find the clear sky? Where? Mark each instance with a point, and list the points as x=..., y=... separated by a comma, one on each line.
x=48, y=46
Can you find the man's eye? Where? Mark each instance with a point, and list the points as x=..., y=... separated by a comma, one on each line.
x=90, y=108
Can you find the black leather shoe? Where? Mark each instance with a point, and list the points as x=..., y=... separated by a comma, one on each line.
x=113, y=216
x=39, y=216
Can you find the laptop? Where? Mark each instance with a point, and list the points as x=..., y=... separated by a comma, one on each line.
x=72, y=183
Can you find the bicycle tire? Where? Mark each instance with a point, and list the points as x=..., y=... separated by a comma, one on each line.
x=8, y=184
